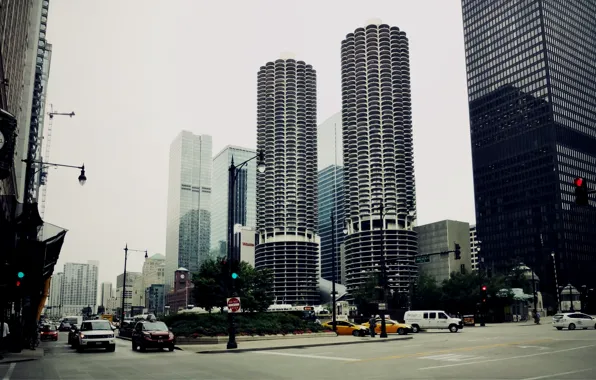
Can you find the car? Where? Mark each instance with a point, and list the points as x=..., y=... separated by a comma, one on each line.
x=49, y=332
x=64, y=326
x=152, y=334
x=572, y=321
x=347, y=328
x=432, y=319
x=96, y=334
x=391, y=326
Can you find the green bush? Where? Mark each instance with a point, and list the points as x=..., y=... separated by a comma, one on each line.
x=197, y=325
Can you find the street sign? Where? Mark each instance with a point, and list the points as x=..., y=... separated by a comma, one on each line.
x=382, y=306
x=422, y=259
x=234, y=304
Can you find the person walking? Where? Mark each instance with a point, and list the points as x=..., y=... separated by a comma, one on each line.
x=372, y=322
x=5, y=334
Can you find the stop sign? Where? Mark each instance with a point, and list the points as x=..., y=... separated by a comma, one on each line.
x=234, y=304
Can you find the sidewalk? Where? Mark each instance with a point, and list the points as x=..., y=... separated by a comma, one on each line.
x=23, y=356
x=282, y=344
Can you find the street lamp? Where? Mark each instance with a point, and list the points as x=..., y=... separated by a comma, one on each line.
x=123, y=294
x=553, y=255
x=383, y=270
x=82, y=176
x=232, y=175
x=333, y=275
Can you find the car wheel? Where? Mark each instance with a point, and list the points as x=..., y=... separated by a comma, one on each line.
x=415, y=329
x=571, y=326
x=401, y=331
x=171, y=348
x=356, y=333
x=142, y=347
x=559, y=328
x=80, y=348
x=453, y=328
x=111, y=348
x=134, y=346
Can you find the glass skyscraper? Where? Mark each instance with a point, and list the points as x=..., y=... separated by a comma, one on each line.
x=331, y=202
x=246, y=195
x=531, y=69
x=188, y=227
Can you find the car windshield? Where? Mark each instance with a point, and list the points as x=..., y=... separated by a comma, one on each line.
x=155, y=326
x=49, y=328
x=91, y=326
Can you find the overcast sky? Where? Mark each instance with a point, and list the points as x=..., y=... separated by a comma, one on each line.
x=136, y=72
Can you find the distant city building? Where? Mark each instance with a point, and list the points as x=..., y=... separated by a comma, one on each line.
x=474, y=248
x=131, y=278
x=106, y=293
x=181, y=295
x=442, y=237
x=79, y=287
x=245, y=195
x=54, y=302
x=189, y=203
x=532, y=104
x=329, y=142
x=155, y=299
x=331, y=202
x=378, y=155
x=154, y=270
x=244, y=244
x=287, y=191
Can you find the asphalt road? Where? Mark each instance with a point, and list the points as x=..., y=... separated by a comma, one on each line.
x=493, y=352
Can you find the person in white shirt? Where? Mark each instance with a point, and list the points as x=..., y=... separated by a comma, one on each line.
x=5, y=333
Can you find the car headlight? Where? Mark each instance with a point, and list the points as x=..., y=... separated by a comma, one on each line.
x=171, y=336
x=82, y=335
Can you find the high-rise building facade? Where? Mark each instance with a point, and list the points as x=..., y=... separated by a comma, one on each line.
x=245, y=194
x=329, y=142
x=474, y=248
x=106, y=293
x=287, y=190
x=54, y=303
x=131, y=279
x=79, y=287
x=378, y=155
x=154, y=270
x=331, y=203
x=532, y=98
x=188, y=227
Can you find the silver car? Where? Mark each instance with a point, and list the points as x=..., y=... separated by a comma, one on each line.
x=96, y=334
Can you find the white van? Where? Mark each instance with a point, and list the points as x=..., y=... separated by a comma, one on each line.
x=432, y=319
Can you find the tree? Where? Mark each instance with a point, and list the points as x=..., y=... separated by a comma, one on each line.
x=253, y=286
x=209, y=288
x=461, y=292
x=369, y=291
x=426, y=293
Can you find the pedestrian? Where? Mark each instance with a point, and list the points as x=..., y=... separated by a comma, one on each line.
x=372, y=322
x=5, y=334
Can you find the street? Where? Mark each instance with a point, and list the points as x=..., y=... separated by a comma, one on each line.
x=506, y=351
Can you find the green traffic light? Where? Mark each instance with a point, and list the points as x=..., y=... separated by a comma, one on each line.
x=234, y=275
x=20, y=275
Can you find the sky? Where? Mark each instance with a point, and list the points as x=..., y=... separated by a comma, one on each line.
x=137, y=72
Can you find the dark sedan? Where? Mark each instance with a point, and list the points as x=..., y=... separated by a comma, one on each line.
x=64, y=326
x=152, y=334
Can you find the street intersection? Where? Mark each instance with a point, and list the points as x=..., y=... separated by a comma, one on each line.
x=494, y=352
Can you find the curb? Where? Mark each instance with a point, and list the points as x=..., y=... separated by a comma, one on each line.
x=239, y=350
x=18, y=361
x=130, y=339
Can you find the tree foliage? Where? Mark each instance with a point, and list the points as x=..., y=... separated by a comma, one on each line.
x=253, y=286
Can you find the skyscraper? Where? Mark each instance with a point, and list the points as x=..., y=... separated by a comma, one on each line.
x=246, y=197
x=532, y=98
x=79, y=287
x=189, y=203
x=55, y=297
x=329, y=143
x=331, y=202
x=287, y=190
x=378, y=155
x=106, y=293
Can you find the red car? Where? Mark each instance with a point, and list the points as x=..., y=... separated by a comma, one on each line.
x=49, y=333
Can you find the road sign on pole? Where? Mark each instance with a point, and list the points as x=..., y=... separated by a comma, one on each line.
x=233, y=304
x=422, y=259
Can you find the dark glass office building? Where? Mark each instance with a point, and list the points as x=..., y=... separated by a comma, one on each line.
x=331, y=202
x=531, y=68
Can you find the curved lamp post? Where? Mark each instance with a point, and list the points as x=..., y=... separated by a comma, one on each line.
x=126, y=249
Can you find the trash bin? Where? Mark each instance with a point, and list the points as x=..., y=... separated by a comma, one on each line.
x=469, y=320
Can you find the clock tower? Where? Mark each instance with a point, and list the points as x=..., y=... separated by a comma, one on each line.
x=181, y=279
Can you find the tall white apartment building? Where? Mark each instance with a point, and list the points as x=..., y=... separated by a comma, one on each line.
x=54, y=303
x=154, y=270
x=106, y=293
x=474, y=247
x=79, y=287
x=131, y=279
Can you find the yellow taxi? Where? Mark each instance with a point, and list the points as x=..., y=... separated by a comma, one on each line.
x=347, y=328
x=391, y=326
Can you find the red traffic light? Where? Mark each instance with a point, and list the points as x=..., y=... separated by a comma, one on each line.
x=18, y=283
x=484, y=288
x=578, y=182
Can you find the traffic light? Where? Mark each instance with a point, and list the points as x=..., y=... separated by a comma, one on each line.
x=19, y=281
x=483, y=293
x=581, y=191
x=457, y=252
x=20, y=274
x=235, y=270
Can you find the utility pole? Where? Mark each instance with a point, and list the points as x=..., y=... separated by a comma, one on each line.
x=383, y=270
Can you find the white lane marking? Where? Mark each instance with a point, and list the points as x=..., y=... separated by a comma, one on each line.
x=307, y=356
x=452, y=357
x=10, y=371
x=556, y=374
x=508, y=358
x=536, y=347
